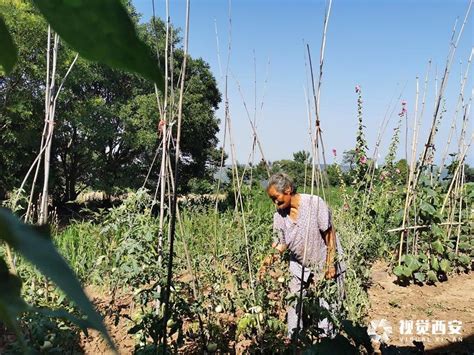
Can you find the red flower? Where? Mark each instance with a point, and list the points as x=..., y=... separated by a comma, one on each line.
x=363, y=159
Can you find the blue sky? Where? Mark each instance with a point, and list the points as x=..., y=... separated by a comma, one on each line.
x=380, y=45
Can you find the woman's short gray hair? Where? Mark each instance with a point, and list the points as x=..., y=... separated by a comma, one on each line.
x=281, y=181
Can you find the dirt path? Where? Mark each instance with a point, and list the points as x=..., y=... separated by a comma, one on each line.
x=425, y=312
x=115, y=311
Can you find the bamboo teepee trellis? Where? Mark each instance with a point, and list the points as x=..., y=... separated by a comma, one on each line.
x=428, y=150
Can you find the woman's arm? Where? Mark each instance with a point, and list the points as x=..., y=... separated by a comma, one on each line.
x=330, y=240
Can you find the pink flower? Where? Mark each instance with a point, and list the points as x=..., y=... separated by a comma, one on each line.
x=384, y=175
x=397, y=171
x=363, y=159
x=334, y=151
x=357, y=89
x=404, y=109
x=346, y=206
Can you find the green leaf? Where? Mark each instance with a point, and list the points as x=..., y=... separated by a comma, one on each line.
x=444, y=265
x=464, y=260
x=8, y=50
x=398, y=270
x=437, y=246
x=430, y=192
x=419, y=276
x=425, y=266
x=40, y=251
x=422, y=258
x=437, y=231
x=102, y=31
x=402, y=271
x=431, y=275
x=434, y=263
x=411, y=263
x=406, y=271
x=426, y=207
x=11, y=303
x=464, y=246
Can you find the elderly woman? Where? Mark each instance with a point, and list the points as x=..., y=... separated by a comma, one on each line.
x=303, y=225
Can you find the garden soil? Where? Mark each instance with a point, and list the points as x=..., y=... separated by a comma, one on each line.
x=428, y=308
x=452, y=300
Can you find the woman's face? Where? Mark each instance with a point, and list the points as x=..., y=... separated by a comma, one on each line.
x=281, y=200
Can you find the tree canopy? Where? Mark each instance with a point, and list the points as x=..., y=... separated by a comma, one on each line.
x=106, y=120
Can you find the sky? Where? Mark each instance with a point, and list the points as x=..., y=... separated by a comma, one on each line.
x=380, y=45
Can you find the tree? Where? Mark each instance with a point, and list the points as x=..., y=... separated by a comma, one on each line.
x=296, y=168
x=349, y=157
x=21, y=96
x=469, y=173
x=302, y=157
x=401, y=171
x=106, y=132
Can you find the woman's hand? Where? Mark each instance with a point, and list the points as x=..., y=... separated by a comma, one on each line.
x=330, y=239
x=280, y=247
x=330, y=272
x=269, y=260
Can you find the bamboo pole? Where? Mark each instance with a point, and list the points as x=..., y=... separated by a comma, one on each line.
x=410, y=196
x=453, y=203
x=176, y=165
x=458, y=104
x=239, y=202
x=254, y=129
x=164, y=124
x=382, y=128
x=254, y=116
x=221, y=165
x=429, y=145
x=456, y=172
x=444, y=80
x=45, y=127
x=422, y=226
x=458, y=236
x=43, y=210
x=316, y=149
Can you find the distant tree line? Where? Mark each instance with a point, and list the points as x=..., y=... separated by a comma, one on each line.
x=300, y=168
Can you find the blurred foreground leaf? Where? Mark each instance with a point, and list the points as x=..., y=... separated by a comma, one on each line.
x=102, y=31
x=40, y=251
x=11, y=303
x=8, y=51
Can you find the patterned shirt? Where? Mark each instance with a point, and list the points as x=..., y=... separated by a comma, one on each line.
x=313, y=219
